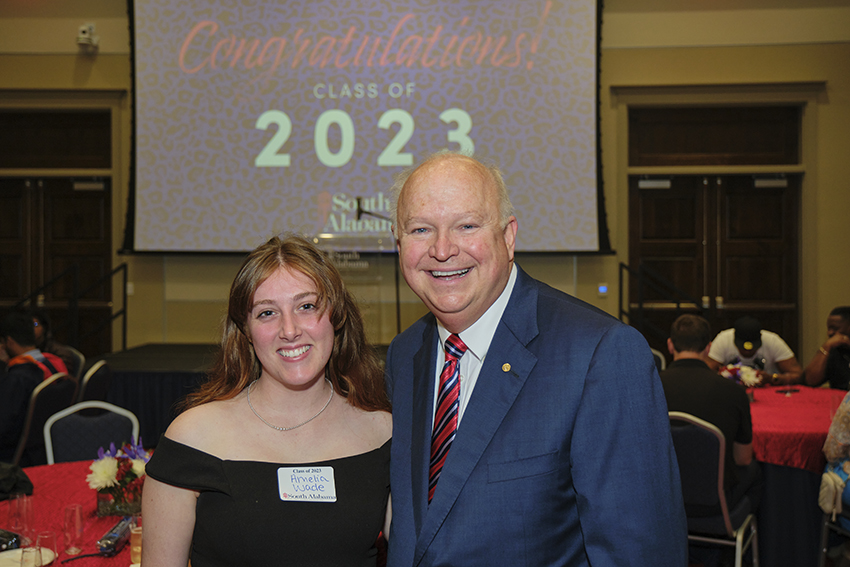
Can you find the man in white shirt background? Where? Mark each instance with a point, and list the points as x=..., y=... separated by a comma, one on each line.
x=747, y=344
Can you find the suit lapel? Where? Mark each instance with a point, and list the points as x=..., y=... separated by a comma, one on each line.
x=505, y=370
x=424, y=364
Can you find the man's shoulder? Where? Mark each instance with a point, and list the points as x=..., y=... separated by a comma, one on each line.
x=415, y=333
x=556, y=304
x=724, y=336
x=693, y=368
x=723, y=346
x=770, y=335
x=24, y=369
x=773, y=340
x=21, y=361
x=701, y=379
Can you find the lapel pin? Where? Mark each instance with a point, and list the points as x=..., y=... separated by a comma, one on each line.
x=506, y=367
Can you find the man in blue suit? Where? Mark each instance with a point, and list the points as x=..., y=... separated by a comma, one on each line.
x=552, y=443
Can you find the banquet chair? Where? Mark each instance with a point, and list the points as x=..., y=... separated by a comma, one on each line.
x=79, y=362
x=830, y=525
x=701, y=451
x=76, y=433
x=53, y=394
x=95, y=382
x=660, y=361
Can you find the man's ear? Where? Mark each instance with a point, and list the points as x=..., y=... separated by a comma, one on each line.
x=670, y=348
x=510, y=236
x=704, y=353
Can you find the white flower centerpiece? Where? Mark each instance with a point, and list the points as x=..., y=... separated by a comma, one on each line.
x=118, y=475
x=747, y=376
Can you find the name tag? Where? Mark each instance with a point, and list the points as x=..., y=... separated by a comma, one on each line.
x=306, y=484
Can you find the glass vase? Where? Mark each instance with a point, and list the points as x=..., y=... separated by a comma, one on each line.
x=109, y=505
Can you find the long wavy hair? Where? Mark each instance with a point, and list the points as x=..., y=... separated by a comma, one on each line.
x=354, y=367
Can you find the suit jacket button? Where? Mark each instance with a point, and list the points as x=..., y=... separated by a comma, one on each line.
x=506, y=367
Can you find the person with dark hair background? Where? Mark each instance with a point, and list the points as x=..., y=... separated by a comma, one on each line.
x=46, y=343
x=282, y=456
x=692, y=387
x=831, y=362
x=26, y=367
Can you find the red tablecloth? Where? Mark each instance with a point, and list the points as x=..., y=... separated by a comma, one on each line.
x=56, y=486
x=790, y=429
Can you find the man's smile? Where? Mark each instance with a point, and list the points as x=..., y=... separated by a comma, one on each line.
x=450, y=274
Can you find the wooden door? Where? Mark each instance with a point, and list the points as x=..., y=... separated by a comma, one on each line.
x=59, y=230
x=16, y=233
x=757, y=258
x=728, y=243
x=51, y=220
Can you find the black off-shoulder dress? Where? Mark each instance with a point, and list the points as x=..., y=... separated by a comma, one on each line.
x=241, y=518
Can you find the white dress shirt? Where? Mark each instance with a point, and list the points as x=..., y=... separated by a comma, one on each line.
x=477, y=337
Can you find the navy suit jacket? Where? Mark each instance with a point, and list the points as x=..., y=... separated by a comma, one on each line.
x=563, y=455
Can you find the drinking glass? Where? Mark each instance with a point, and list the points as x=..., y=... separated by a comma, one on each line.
x=73, y=529
x=46, y=541
x=31, y=557
x=136, y=540
x=14, y=522
x=20, y=516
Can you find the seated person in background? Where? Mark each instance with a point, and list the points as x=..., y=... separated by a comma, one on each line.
x=691, y=387
x=45, y=343
x=287, y=445
x=27, y=366
x=832, y=361
x=747, y=344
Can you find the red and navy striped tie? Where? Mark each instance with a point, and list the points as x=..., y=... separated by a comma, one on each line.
x=445, y=418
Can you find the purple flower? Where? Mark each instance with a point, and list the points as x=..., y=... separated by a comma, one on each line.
x=113, y=451
x=133, y=451
x=136, y=450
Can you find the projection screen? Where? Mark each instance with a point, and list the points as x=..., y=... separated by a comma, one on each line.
x=254, y=117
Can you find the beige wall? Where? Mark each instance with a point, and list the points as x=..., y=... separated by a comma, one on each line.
x=653, y=51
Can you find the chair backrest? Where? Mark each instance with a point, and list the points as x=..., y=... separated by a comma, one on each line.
x=95, y=384
x=50, y=396
x=79, y=362
x=701, y=452
x=660, y=360
x=77, y=432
